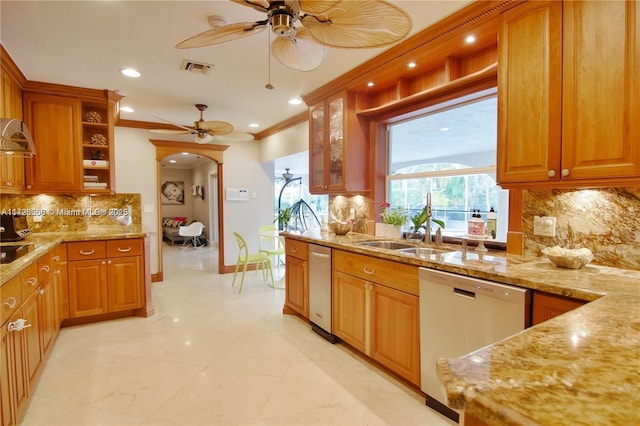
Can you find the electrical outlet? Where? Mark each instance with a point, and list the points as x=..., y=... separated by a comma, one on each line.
x=544, y=226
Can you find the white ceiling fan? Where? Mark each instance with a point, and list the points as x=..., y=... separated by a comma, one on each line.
x=350, y=24
x=206, y=131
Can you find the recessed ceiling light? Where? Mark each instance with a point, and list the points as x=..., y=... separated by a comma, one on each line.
x=254, y=125
x=444, y=129
x=295, y=101
x=470, y=39
x=184, y=153
x=371, y=84
x=411, y=65
x=172, y=161
x=127, y=109
x=130, y=72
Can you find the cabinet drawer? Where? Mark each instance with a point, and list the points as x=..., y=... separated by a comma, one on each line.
x=28, y=280
x=392, y=274
x=126, y=247
x=10, y=299
x=84, y=250
x=44, y=267
x=297, y=249
x=58, y=255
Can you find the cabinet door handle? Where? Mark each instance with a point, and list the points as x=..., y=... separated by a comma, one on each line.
x=33, y=281
x=18, y=325
x=11, y=302
x=551, y=173
x=87, y=253
x=104, y=262
x=294, y=250
x=124, y=250
x=565, y=172
x=41, y=291
x=56, y=258
x=368, y=271
x=45, y=268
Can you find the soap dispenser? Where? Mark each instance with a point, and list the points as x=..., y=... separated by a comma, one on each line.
x=476, y=224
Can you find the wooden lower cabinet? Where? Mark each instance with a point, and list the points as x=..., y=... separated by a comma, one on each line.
x=110, y=279
x=374, y=317
x=297, y=277
x=547, y=306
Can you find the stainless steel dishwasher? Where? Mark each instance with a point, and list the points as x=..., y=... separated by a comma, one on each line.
x=459, y=315
x=320, y=291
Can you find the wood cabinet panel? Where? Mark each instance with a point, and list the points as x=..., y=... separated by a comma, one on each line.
x=48, y=316
x=10, y=298
x=125, y=248
x=124, y=283
x=393, y=274
x=6, y=365
x=350, y=315
x=530, y=115
x=87, y=287
x=395, y=341
x=601, y=50
x=33, y=349
x=55, y=127
x=12, y=178
x=547, y=306
x=297, y=285
x=297, y=249
x=14, y=353
x=84, y=250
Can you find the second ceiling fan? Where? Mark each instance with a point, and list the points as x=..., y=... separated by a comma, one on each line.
x=206, y=131
x=350, y=24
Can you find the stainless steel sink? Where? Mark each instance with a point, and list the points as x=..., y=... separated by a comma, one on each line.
x=422, y=252
x=389, y=245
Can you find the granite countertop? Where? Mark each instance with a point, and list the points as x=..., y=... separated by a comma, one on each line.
x=582, y=367
x=45, y=241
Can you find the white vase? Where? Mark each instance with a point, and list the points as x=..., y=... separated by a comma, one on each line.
x=388, y=231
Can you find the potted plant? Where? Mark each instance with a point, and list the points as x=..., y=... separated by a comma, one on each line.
x=393, y=220
x=284, y=216
x=419, y=223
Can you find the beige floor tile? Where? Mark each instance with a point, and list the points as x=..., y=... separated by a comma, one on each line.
x=211, y=356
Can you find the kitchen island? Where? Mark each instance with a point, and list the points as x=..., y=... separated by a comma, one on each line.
x=582, y=367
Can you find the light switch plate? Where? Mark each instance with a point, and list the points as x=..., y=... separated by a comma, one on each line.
x=544, y=226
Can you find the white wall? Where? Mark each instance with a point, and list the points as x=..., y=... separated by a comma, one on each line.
x=136, y=173
x=290, y=141
x=200, y=207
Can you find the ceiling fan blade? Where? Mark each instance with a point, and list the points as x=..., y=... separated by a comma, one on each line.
x=301, y=53
x=359, y=24
x=215, y=127
x=175, y=124
x=259, y=5
x=315, y=7
x=234, y=136
x=223, y=34
x=171, y=132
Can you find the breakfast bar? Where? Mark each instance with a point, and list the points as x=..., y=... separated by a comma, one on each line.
x=581, y=367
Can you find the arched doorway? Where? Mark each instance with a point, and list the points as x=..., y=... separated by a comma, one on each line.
x=214, y=152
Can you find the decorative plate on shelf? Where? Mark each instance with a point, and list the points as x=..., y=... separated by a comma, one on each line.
x=98, y=139
x=93, y=117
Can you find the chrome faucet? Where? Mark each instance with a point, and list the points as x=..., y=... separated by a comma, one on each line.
x=428, y=223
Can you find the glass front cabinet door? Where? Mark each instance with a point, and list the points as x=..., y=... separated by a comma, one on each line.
x=338, y=159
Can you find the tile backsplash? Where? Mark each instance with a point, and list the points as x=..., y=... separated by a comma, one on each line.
x=72, y=213
x=606, y=221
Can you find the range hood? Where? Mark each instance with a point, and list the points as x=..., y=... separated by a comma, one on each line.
x=15, y=138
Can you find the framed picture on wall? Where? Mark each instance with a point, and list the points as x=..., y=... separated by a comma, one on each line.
x=172, y=192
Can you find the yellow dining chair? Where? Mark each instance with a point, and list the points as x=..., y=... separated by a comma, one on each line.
x=261, y=260
x=270, y=243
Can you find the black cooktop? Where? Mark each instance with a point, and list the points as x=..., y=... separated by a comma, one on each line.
x=11, y=252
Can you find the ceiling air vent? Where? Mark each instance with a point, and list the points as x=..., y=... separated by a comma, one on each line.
x=196, y=67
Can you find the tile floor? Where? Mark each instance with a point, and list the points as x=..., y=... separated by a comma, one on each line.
x=212, y=357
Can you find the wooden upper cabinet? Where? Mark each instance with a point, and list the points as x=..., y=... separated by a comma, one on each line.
x=338, y=146
x=530, y=92
x=569, y=94
x=55, y=127
x=601, y=125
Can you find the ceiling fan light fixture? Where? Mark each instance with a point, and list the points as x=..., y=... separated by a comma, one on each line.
x=287, y=175
x=282, y=23
x=202, y=138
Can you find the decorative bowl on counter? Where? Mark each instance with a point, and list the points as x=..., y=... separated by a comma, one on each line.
x=340, y=228
x=568, y=258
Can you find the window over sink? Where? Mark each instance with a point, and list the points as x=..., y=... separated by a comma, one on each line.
x=448, y=150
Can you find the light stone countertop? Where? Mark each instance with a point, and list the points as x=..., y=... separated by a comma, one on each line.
x=582, y=367
x=43, y=242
